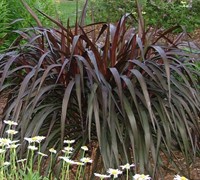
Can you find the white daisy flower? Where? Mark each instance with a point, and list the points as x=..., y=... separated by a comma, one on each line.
x=85, y=148
x=6, y=163
x=67, y=152
x=178, y=177
x=11, y=131
x=5, y=141
x=114, y=172
x=67, y=160
x=42, y=154
x=10, y=123
x=52, y=150
x=183, y=2
x=37, y=139
x=79, y=163
x=141, y=177
x=33, y=148
x=127, y=166
x=21, y=160
x=86, y=160
x=2, y=151
x=69, y=141
x=15, y=141
x=68, y=148
x=12, y=146
x=28, y=139
x=101, y=176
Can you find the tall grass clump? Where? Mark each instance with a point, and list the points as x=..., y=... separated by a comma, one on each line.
x=133, y=93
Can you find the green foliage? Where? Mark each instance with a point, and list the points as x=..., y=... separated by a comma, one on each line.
x=111, y=10
x=4, y=23
x=18, y=12
x=167, y=14
x=156, y=13
x=134, y=97
x=67, y=10
x=31, y=175
x=13, y=10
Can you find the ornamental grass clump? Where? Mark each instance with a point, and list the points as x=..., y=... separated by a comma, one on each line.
x=134, y=93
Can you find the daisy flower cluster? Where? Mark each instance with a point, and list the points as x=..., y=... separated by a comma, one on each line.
x=8, y=152
x=67, y=160
x=115, y=173
x=10, y=163
x=8, y=145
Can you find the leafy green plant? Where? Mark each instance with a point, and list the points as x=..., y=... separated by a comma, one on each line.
x=156, y=12
x=4, y=23
x=15, y=17
x=111, y=10
x=18, y=12
x=178, y=12
x=134, y=97
x=70, y=10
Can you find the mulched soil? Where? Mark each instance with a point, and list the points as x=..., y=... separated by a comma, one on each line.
x=3, y=99
x=195, y=36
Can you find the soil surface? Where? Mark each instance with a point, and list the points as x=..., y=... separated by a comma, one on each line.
x=195, y=36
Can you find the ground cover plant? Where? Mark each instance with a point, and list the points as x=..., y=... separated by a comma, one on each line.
x=135, y=98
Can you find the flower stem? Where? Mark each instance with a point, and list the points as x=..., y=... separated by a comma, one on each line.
x=126, y=174
x=50, y=167
x=63, y=171
x=39, y=159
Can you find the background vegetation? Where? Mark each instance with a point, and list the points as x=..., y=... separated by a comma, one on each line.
x=4, y=23
x=156, y=12
x=14, y=18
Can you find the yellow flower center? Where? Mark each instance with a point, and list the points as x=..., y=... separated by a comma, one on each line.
x=183, y=178
x=114, y=172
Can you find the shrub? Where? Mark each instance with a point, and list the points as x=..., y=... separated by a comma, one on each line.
x=156, y=13
x=134, y=97
x=178, y=12
x=111, y=10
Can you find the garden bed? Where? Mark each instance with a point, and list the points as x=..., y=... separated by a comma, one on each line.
x=193, y=169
